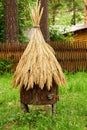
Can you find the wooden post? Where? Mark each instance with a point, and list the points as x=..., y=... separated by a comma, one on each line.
x=44, y=20
x=24, y=107
x=11, y=21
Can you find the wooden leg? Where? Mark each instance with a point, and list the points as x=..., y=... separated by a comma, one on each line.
x=24, y=107
x=53, y=109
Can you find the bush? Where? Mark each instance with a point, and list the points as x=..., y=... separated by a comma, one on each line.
x=5, y=65
x=57, y=35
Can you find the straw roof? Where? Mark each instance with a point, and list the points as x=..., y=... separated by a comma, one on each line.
x=38, y=64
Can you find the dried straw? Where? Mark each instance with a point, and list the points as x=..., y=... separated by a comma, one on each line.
x=38, y=64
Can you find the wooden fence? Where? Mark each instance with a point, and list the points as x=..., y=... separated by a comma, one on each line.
x=71, y=56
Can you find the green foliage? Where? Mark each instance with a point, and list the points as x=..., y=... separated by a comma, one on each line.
x=63, y=14
x=56, y=35
x=24, y=19
x=75, y=7
x=5, y=65
x=71, y=109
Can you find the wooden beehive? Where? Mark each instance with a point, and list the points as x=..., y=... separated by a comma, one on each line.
x=36, y=96
x=38, y=72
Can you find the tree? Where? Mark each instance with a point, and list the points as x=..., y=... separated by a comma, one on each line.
x=2, y=31
x=74, y=6
x=57, y=15
x=73, y=20
x=85, y=12
x=44, y=20
x=55, y=5
x=11, y=21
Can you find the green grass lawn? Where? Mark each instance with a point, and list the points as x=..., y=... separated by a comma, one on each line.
x=71, y=109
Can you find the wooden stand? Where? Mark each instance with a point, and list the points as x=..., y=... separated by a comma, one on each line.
x=36, y=96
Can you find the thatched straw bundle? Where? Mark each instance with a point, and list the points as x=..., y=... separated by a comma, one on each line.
x=38, y=64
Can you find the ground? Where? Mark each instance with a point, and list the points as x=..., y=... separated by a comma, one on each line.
x=71, y=109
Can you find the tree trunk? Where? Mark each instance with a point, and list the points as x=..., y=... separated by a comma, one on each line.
x=44, y=20
x=74, y=13
x=73, y=20
x=85, y=12
x=11, y=21
x=53, y=12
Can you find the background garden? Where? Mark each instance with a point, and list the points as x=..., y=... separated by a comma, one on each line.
x=61, y=12
x=71, y=109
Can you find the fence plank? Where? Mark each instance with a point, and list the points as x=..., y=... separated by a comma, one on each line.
x=71, y=56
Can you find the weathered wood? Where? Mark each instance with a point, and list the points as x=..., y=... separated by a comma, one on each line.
x=71, y=56
x=24, y=107
x=44, y=20
x=37, y=96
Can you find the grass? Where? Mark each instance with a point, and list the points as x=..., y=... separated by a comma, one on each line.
x=71, y=110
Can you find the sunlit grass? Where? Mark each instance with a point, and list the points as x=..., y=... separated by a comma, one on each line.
x=71, y=110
